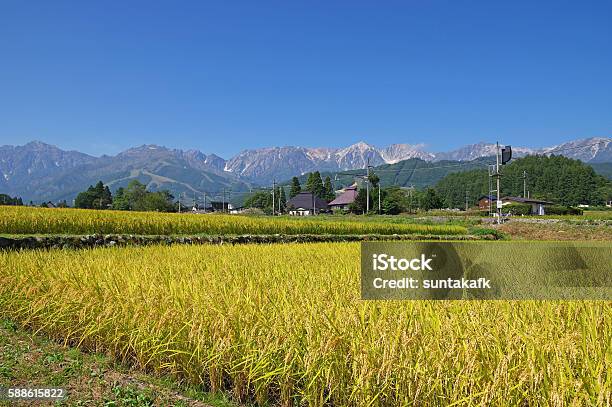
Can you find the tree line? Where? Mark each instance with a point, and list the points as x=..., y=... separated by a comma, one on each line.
x=9, y=200
x=135, y=197
x=552, y=178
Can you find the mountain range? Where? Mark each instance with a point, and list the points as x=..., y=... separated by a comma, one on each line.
x=41, y=172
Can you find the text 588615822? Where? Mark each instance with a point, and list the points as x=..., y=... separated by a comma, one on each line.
x=31, y=393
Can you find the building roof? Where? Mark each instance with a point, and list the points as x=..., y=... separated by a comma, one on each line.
x=525, y=200
x=489, y=197
x=305, y=200
x=346, y=198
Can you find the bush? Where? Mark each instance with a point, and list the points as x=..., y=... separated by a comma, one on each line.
x=562, y=210
x=517, y=209
x=486, y=232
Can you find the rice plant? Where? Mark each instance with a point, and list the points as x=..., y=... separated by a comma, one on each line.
x=27, y=220
x=284, y=324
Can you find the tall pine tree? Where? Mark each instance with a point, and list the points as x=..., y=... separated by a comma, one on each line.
x=315, y=184
x=296, y=188
x=328, y=189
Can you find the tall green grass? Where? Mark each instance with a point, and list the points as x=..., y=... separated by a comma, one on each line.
x=285, y=324
x=26, y=220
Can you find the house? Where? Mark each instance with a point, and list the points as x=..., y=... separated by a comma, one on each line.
x=237, y=210
x=343, y=201
x=219, y=206
x=306, y=204
x=537, y=206
x=484, y=202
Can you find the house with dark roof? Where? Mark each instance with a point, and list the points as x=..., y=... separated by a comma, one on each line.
x=306, y=204
x=346, y=198
x=537, y=205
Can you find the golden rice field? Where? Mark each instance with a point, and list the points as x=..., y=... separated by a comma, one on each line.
x=290, y=328
x=27, y=220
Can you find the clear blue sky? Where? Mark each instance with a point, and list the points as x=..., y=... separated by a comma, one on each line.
x=223, y=76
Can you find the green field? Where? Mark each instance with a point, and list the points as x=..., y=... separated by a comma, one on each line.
x=285, y=324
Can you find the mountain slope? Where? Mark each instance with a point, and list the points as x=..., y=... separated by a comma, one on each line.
x=264, y=165
x=38, y=171
x=43, y=172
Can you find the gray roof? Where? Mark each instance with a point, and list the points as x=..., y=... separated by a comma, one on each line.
x=347, y=197
x=305, y=200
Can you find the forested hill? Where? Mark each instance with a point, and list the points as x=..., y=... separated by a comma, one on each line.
x=555, y=178
x=420, y=173
x=412, y=172
x=604, y=169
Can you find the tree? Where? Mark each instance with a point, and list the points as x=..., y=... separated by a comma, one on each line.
x=120, y=201
x=359, y=206
x=314, y=184
x=374, y=179
x=430, y=200
x=296, y=188
x=552, y=178
x=159, y=201
x=95, y=197
x=8, y=200
x=135, y=193
x=328, y=190
x=261, y=200
x=453, y=188
x=282, y=199
x=394, y=201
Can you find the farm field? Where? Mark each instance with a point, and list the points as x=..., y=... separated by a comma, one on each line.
x=25, y=220
x=563, y=230
x=291, y=329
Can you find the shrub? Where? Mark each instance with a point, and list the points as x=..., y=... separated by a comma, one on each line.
x=517, y=209
x=562, y=210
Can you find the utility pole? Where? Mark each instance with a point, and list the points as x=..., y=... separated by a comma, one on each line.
x=368, y=187
x=179, y=202
x=204, y=202
x=466, y=200
x=497, y=176
x=273, y=188
x=223, y=201
x=524, y=184
x=379, y=212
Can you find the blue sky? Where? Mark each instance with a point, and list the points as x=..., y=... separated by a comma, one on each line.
x=220, y=76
